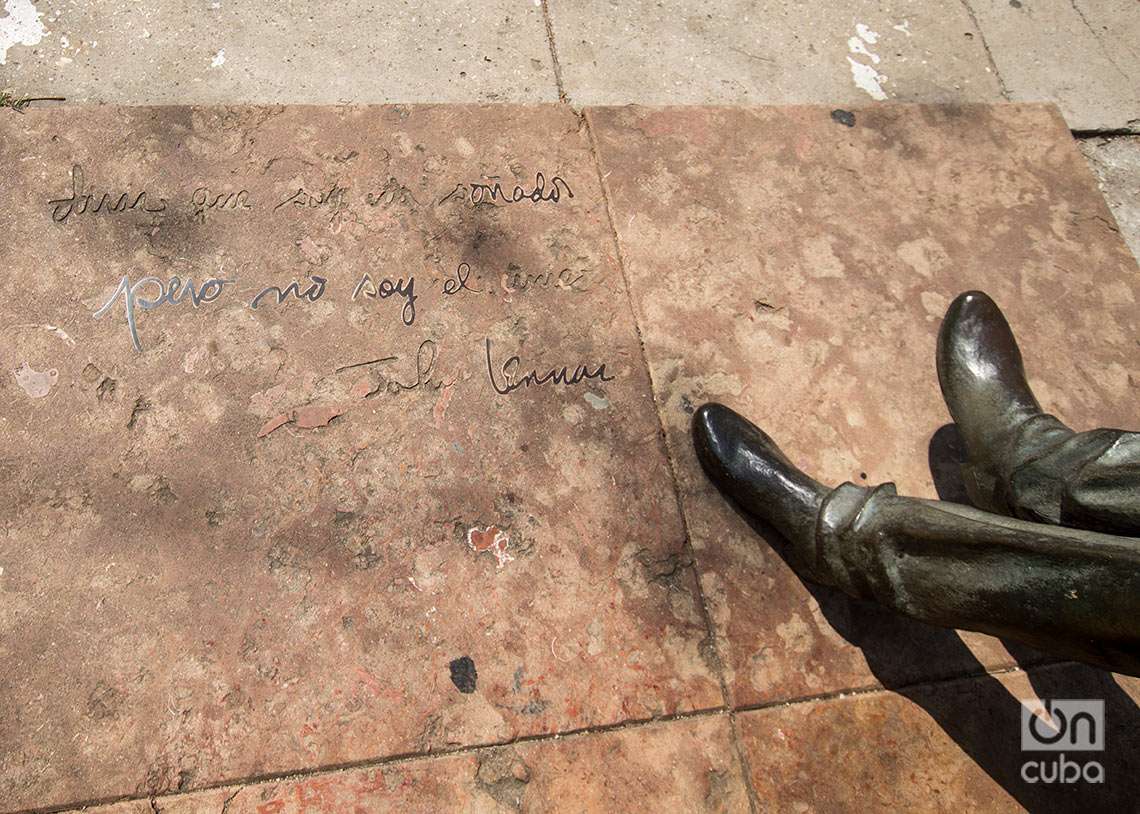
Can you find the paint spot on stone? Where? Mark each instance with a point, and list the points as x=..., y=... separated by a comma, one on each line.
x=866, y=33
x=35, y=383
x=868, y=79
x=219, y=59
x=490, y=539
x=844, y=117
x=865, y=75
x=597, y=402
x=463, y=674
x=21, y=26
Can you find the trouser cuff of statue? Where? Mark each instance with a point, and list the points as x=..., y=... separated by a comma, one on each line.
x=1074, y=592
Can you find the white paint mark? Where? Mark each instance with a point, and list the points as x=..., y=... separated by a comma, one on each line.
x=856, y=46
x=866, y=33
x=868, y=79
x=219, y=59
x=904, y=27
x=21, y=26
x=35, y=383
x=597, y=402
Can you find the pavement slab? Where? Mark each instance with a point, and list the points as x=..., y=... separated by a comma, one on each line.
x=770, y=52
x=949, y=747
x=686, y=765
x=1082, y=55
x=794, y=264
x=123, y=52
x=1116, y=163
x=326, y=436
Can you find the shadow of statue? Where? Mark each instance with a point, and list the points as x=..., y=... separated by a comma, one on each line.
x=971, y=706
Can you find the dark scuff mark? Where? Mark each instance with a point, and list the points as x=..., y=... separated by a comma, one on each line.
x=463, y=674
x=844, y=117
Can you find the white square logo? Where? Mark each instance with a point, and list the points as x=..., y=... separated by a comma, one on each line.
x=1062, y=725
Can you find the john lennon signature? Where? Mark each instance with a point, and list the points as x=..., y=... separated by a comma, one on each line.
x=511, y=379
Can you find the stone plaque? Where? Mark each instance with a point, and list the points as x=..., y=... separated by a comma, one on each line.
x=325, y=435
x=795, y=264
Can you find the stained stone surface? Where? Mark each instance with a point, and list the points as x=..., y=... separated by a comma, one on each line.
x=679, y=766
x=796, y=269
x=841, y=52
x=256, y=545
x=950, y=747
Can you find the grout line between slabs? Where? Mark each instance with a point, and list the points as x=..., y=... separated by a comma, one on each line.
x=706, y=615
x=986, y=47
x=553, y=52
x=390, y=760
x=584, y=732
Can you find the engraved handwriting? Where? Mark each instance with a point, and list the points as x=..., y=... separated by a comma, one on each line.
x=512, y=381
x=388, y=288
x=453, y=285
x=82, y=202
x=202, y=200
x=173, y=292
x=312, y=293
x=491, y=192
x=335, y=196
x=393, y=192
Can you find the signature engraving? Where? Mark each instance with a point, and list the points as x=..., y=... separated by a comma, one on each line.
x=426, y=356
x=312, y=293
x=390, y=288
x=82, y=202
x=511, y=381
x=172, y=292
x=492, y=193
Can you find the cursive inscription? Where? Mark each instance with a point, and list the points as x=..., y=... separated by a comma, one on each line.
x=312, y=293
x=393, y=192
x=515, y=280
x=512, y=381
x=82, y=202
x=203, y=201
x=335, y=196
x=426, y=356
x=169, y=293
x=491, y=192
x=453, y=285
x=390, y=288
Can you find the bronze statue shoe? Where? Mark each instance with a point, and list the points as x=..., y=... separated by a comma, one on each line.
x=745, y=464
x=1070, y=592
x=1023, y=462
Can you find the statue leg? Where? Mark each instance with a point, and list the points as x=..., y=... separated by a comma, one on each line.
x=1071, y=592
x=1023, y=462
